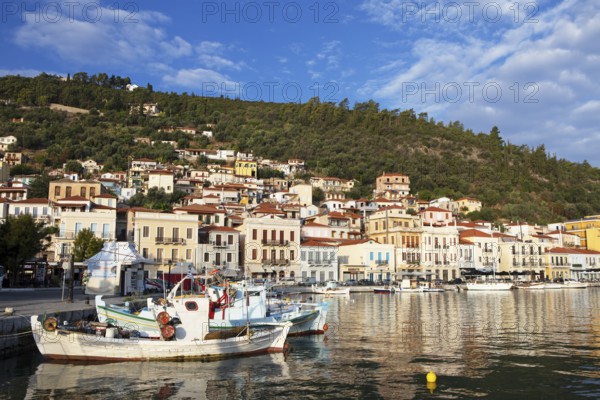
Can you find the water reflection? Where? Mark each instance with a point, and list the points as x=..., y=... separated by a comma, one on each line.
x=538, y=344
x=160, y=380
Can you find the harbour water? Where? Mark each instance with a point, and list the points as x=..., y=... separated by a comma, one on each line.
x=494, y=345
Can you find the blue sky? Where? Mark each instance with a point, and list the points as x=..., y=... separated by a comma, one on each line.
x=530, y=67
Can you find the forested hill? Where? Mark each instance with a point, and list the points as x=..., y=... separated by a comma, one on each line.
x=360, y=141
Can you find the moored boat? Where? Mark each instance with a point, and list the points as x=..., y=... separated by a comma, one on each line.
x=573, y=284
x=491, y=285
x=230, y=306
x=383, y=290
x=187, y=338
x=331, y=288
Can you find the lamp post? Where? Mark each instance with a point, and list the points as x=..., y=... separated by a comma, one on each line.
x=170, y=263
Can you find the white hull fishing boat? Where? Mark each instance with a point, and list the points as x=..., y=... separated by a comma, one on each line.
x=573, y=284
x=412, y=286
x=331, y=288
x=229, y=307
x=187, y=338
x=532, y=286
x=489, y=285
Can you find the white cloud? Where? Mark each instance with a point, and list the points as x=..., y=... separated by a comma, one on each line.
x=548, y=71
x=211, y=55
x=210, y=83
x=85, y=42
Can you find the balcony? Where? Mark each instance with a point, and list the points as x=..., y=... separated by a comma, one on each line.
x=220, y=245
x=275, y=242
x=276, y=261
x=168, y=240
x=381, y=263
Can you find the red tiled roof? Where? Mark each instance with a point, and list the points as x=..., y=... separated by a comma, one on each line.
x=33, y=201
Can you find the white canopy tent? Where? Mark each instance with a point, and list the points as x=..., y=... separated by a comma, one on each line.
x=117, y=269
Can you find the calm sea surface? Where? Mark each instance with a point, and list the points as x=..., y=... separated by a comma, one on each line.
x=517, y=344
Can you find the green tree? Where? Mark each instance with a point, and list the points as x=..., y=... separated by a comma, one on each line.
x=86, y=245
x=318, y=195
x=21, y=238
x=73, y=166
x=39, y=188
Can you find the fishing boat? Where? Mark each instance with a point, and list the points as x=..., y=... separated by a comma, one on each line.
x=553, y=285
x=573, y=284
x=383, y=290
x=331, y=288
x=231, y=305
x=414, y=286
x=188, y=337
x=488, y=285
x=532, y=286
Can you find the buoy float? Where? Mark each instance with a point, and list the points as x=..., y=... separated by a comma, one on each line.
x=325, y=327
x=431, y=377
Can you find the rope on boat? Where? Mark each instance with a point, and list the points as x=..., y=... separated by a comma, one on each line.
x=16, y=334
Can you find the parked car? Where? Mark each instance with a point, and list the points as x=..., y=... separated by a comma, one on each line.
x=287, y=282
x=351, y=282
x=366, y=282
x=308, y=282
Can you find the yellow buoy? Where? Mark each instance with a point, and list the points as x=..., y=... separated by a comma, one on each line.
x=431, y=377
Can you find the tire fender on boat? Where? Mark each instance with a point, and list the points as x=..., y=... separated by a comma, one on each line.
x=163, y=318
x=167, y=332
x=50, y=324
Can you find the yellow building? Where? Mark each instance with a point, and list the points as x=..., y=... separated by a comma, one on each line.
x=167, y=239
x=246, y=168
x=65, y=188
x=588, y=229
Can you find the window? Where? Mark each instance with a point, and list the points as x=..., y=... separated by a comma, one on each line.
x=229, y=257
x=191, y=306
x=254, y=234
x=175, y=234
x=146, y=231
x=160, y=232
x=174, y=255
x=105, y=231
x=302, y=255
x=292, y=237
x=83, y=191
x=371, y=256
x=78, y=227
x=94, y=227
x=292, y=255
x=68, y=193
x=145, y=252
x=92, y=191
x=206, y=257
x=17, y=210
x=57, y=191
x=254, y=254
x=159, y=255
x=188, y=254
x=190, y=233
x=34, y=212
x=62, y=230
x=45, y=211
x=27, y=210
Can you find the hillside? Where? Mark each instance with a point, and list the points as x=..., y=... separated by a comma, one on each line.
x=514, y=182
